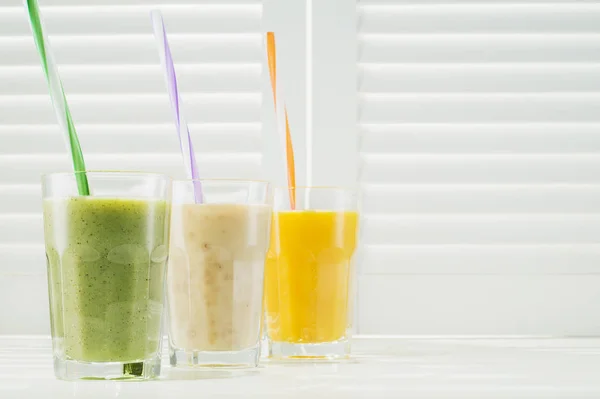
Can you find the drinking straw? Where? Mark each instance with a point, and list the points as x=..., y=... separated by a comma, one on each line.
x=57, y=94
x=282, y=118
x=185, y=141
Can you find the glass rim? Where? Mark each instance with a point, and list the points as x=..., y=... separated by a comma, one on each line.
x=107, y=172
x=221, y=181
x=340, y=188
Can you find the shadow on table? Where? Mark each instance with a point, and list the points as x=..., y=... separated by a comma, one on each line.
x=176, y=374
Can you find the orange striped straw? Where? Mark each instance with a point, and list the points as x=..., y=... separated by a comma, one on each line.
x=289, y=149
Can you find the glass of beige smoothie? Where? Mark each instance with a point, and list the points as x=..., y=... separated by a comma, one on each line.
x=218, y=244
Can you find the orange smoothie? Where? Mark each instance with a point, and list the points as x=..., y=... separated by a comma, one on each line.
x=308, y=271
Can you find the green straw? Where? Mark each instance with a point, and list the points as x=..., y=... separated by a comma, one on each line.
x=59, y=100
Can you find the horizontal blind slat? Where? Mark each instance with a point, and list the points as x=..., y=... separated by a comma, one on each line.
x=212, y=18
x=482, y=259
x=21, y=229
x=484, y=77
x=90, y=79
x=501, y=138
x=31, y=315
x=134, y=108
x=481, y=18
x=135, y=49
x=479, y=108
x=23, y=259
x=436, y=3
x=20, y=198
x=482, y=199
x=79, y=3
x=138, y=138
x=480, y=169
x=482, y=229
x=460, y=48
x=27, y=169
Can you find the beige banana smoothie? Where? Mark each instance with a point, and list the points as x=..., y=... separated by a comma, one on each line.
x=215, y=275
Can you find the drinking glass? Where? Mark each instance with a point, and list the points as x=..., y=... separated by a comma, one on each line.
x=106, y=255
x=309, y=281
x=219, y=241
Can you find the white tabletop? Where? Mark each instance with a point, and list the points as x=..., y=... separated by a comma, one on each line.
x=380, y=368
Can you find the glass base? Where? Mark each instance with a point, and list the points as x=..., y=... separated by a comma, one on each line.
x=234, y=359
x=264, y=348
x=337, y=350
x=71, y=370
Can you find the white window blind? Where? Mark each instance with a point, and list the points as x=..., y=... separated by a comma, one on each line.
x=480, y=154
x=110, y=69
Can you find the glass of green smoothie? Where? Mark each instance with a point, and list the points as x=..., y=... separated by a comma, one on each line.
x=106, y=255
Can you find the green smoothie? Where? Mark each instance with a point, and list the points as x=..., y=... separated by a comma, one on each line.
x=106, y=267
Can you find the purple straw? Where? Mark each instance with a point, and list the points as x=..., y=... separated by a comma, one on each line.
x=185, y=141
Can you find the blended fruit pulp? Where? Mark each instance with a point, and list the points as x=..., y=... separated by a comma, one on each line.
x=106, y=265
x=308, y=271
x=215, y=275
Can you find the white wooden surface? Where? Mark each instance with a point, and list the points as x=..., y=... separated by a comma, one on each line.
x=483, y=368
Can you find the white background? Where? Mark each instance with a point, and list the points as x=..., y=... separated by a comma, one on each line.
x=472, y=128
x=480, y=167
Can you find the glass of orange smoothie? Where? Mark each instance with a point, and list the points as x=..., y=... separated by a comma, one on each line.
x=309, y=276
